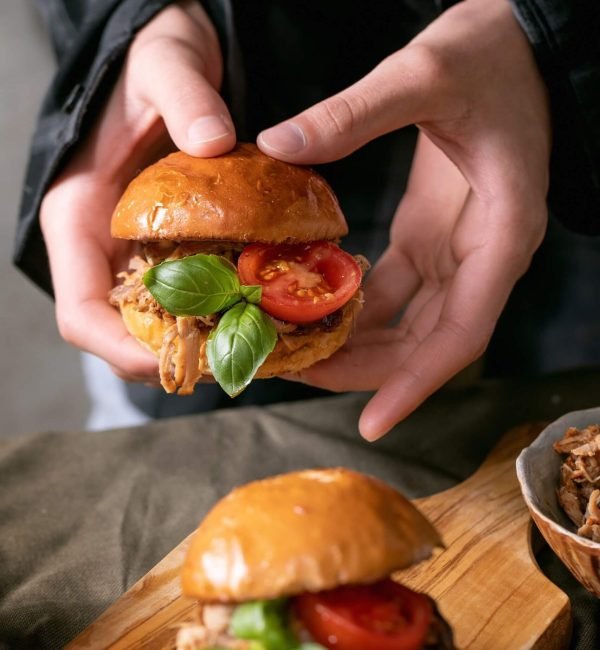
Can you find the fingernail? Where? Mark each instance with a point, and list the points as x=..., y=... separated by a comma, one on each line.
x=284, y=138
x=369, y=430
x=208, y=129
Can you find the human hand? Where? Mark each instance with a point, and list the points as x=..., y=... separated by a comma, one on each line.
x=167, y=93
x=473, y=214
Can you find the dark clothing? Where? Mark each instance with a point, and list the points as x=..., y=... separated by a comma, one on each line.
x=281, y=56
x=346, y=39
x=562, y=35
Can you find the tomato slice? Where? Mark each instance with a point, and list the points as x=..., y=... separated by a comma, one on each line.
x=382, y=616
x=300, y=283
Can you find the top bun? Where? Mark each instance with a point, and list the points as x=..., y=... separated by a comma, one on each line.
x=304, y=531
x=243, y=196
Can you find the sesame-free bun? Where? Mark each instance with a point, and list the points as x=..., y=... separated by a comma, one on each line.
x=304, y=531
x=241, y=196
x=292, y=352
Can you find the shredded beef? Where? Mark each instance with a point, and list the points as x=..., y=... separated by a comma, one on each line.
x=579, y=489
x=189, y=363
x=165, y=365
x=132, y=290
x=209, y=630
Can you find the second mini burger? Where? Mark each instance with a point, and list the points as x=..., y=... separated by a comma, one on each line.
x=303, y=561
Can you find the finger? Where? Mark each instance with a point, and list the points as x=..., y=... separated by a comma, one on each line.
x=170, y=77
x=425, y=307
x=367, y=361
x=82, y=278
x=466, y=322
x=96, y=327
x=389, y=286
x=364, y=364
x=421, y=218
x=389, y=97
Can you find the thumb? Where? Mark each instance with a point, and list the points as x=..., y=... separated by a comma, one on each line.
x=387, y=99
x=170, y=78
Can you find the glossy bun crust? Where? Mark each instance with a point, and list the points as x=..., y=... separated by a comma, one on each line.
x=304, y=531
x=291, y=354
x=242, y=196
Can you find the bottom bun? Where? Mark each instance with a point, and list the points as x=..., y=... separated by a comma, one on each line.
x=292, y=352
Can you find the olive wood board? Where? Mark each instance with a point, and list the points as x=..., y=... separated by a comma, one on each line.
x=486, y=582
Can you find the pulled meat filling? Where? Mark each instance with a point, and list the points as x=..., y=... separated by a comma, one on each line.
x=182, y=358
x=209, y=630
x=579, y=491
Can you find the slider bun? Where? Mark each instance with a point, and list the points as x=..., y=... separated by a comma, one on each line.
x=241, y=196
x=291, y=354
x=304, y=531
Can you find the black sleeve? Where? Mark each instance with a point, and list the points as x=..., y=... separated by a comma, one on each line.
x=66, y=19
x=565, y=35
x=90, y=38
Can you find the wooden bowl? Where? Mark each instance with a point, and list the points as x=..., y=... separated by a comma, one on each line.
x=538, y=471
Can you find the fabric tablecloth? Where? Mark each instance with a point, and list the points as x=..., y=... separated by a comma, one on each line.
x=84, y=515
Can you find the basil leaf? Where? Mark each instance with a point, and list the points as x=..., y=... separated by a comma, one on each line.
x=252, y=293
x=264, y=621
x=198, y=285
x=237, y=347
x=310, y=646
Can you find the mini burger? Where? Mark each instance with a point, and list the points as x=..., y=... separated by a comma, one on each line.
x=238, y=273
x=302, y=561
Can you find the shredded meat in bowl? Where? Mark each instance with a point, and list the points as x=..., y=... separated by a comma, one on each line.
x=579, y=491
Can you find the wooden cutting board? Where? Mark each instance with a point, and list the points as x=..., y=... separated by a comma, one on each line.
x=486, y=583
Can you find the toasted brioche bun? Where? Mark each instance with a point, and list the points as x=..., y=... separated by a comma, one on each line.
x=291, y=354
x=304, y=531
x=242, y=196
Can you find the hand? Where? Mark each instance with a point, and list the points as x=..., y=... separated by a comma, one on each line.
x=167, y=93
x=473, y=214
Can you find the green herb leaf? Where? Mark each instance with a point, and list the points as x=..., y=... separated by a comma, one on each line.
x=265, y=621
x=237, y=347
x=198, y=285
x=310, y=646
x=256, y=645
x=251, y=293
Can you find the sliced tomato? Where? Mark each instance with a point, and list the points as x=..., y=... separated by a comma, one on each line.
x=382, y=616
x=300, y=283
